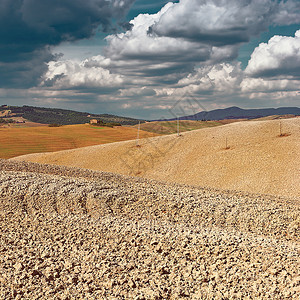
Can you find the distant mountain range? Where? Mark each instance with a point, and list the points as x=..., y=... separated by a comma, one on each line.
x=239, y=113
x=62, y=116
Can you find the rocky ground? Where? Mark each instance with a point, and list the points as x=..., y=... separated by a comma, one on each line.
x=68, y=233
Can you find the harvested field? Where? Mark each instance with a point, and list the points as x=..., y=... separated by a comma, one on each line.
x=256, y=159
x=20, y=141
x=70, y=233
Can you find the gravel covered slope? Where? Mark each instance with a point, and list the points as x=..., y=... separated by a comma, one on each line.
x=74, y=233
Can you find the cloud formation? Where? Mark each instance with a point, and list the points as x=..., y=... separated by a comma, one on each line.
x=224, y=22
x=71, y=74
x=279, y=57
x=29, y=27
x=215, y=22
x=137, y=52
x=164, y=59
x=224, y=82
x=189, y=33
x=274, y=69
x=188, y=47
x=287, y=12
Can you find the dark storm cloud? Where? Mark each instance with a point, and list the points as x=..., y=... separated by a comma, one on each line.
x=29, y=27
x=25, y=71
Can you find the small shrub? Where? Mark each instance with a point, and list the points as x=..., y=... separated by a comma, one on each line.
x=281, y=133
x=284, y=134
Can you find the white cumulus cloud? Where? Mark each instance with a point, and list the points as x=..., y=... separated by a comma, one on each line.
x=71, y=74
x=279, y=57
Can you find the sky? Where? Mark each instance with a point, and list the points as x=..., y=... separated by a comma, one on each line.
x=150, y=59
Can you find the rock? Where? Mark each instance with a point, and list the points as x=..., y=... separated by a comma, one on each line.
x=19, y=267
x=164, y=270
x=36, y=273
x=131, y=283
x=68, y=264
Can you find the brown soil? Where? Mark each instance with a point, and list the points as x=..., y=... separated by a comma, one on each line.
x=69, y=233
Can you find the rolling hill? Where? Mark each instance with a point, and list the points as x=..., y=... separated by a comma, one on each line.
x=62, y=116
x=247, y=156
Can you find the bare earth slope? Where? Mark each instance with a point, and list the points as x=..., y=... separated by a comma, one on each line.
x=69, y=233
x=258, y=160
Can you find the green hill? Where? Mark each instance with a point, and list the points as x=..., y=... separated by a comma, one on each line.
x=65, y=117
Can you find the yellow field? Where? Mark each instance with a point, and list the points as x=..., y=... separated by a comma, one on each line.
x=19, y=141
